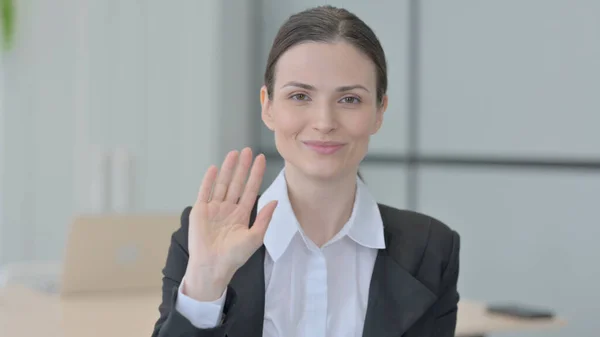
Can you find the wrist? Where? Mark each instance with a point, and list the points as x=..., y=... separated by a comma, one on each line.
x=205, y=285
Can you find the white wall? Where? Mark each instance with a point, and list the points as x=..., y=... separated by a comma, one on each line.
x=95, y=75
x=38, y=135
x=520, y=77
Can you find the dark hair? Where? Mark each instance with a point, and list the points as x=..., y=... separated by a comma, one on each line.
x=327, y=24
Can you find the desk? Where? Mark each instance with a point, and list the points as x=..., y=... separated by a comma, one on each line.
x=24, y=312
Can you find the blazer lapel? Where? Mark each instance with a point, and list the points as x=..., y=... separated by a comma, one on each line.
x=396, y=298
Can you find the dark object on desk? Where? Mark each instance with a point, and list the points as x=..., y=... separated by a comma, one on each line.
x=520, y=311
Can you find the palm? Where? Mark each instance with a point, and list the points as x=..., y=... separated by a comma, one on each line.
x=224, y=230
x=219, y=234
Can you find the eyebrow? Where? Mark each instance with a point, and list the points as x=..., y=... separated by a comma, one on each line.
x=312, y=87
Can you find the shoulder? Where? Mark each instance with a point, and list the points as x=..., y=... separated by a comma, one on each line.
x=420, y=243
x=409, y=225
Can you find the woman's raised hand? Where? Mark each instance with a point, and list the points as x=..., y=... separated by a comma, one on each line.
x=219, y=239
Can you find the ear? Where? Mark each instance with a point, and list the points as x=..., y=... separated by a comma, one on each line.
x=265, y=103
x=379, y=114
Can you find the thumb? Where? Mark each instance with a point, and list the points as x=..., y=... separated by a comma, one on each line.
x=263, y=218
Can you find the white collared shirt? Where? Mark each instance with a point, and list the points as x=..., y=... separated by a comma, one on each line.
x=310, y=291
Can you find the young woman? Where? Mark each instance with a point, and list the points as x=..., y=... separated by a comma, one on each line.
x=315, y=255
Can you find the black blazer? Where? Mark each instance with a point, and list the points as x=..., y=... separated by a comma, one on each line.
x=412, y=293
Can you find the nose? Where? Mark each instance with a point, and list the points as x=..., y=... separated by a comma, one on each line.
x=324, y=119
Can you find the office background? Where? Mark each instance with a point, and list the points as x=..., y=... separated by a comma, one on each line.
x=492, y=127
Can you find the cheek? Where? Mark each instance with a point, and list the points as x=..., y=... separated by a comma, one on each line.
x=288, y=122
x=362, y=125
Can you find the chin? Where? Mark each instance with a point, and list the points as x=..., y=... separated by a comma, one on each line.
x=317, y=166
x=320, y=171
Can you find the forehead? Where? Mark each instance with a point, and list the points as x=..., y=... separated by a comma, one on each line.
x=325, y=65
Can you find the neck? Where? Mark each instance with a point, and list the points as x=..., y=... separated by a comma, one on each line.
x=322, y=207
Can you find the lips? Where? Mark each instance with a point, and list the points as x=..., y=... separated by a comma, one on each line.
x=324, y=147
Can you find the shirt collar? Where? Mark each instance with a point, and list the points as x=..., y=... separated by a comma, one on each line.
x=365, y=226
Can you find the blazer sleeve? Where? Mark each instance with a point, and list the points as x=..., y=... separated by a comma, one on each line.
x=170, y=321
x=446, y=307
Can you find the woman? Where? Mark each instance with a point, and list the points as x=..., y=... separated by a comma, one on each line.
x=315, y=255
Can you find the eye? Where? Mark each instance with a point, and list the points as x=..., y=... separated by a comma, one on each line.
x=299, y=97
x=350, y=100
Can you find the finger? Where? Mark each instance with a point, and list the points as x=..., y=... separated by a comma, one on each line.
x=241, y=172
x=225, y=175
x=207, y=184
x=261, y=223
x=253, y=185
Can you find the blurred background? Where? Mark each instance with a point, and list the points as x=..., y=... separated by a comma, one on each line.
x=493, y=125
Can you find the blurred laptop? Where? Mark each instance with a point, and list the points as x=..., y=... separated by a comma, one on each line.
x=105, y=253
x=116, y=252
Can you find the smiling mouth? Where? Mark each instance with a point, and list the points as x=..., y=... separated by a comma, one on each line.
x=324, y=147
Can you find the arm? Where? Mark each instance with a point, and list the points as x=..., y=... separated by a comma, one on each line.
x=217, y=236
x=446, y=306
x=174, y=311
